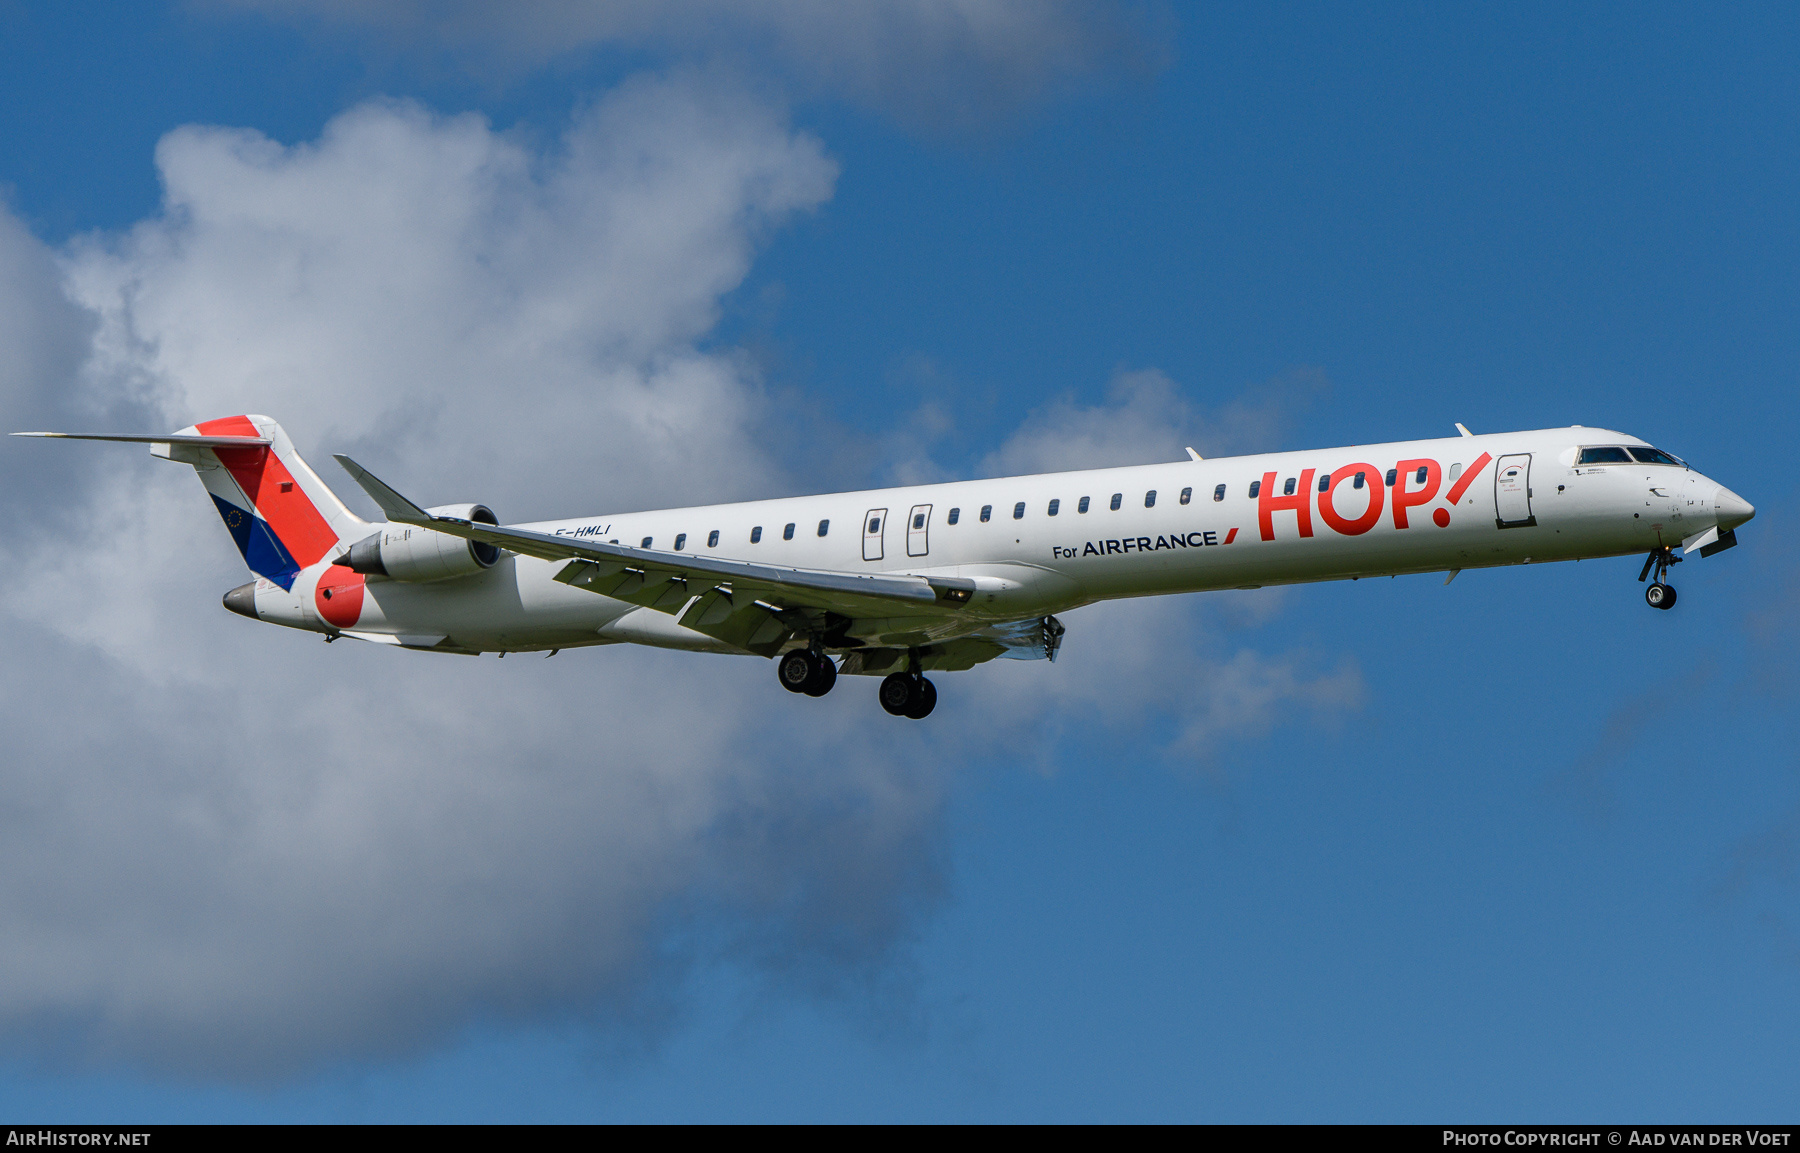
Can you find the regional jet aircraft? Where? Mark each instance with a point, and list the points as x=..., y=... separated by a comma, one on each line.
x=898, y=582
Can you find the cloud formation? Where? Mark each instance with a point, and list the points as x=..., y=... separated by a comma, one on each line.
x=1145, y=417
x=938, y=63
x=413, y=279
x=231, y=850
x=234, y=851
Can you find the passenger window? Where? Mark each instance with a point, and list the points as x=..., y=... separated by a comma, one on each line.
x=788, y=532
x=1604, y=456
x=1219, y=493
x=1324, y=482
x=1255, y=489
x=646, y=543
x=1117, y=500
x=756, y=535
x=1083, y=506
x=1019, y=511
x=1187, y=496
x=1420, y=478
x=874, y=525
x=1360, y=477
x=680, y=540
x=987, y=512
x=1055, y=507
x=955, y=515
x=1150, y=499
x=1288, y=488
x=712, y=539
x=1455, y=471
x=824, y=527
x=1392, y=473
x=919, y=520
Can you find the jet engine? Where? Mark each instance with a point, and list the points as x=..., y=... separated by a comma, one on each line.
x=408, y=553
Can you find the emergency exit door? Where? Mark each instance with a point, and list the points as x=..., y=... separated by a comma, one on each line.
x=918, y=525
x=1512, y=491
x=874, y=526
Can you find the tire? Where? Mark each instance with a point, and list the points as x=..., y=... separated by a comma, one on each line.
x=795, y=671
x=1659, y=596
x=824, y=676
x=1669, y=599
x=925, y=700
x=896, y=693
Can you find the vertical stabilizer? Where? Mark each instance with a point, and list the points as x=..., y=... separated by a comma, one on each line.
x=282, y=516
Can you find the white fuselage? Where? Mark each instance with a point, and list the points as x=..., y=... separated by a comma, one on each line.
x=1530, y=502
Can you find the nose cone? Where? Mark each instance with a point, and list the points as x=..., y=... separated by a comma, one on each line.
x=1731, y=509
x=242, y=600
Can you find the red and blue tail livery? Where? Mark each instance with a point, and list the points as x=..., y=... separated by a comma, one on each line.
x=262, y=494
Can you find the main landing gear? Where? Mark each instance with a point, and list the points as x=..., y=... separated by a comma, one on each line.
x=806, y=671
x=1660, y=594
x=908, y=695
x=811, y=672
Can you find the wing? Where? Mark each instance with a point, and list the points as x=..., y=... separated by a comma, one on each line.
x=753, y=606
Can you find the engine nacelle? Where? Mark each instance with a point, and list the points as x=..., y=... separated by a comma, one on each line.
x=408, y=553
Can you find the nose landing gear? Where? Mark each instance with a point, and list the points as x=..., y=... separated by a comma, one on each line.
x=805, y=671
x=908, y=695
x=1660, y=594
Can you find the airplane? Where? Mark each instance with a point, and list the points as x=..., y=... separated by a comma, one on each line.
x=901, y=581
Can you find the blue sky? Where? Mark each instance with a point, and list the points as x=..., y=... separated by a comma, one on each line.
x=1518, y=848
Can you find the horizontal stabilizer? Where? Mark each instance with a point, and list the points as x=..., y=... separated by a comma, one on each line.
x=152, y=438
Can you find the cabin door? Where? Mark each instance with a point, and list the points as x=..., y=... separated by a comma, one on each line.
x=1512, y=491
x=918, y=524
x=874, y=525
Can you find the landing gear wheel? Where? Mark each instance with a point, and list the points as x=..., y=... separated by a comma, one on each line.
x=1659, y=595
x=924, y=700
x=908, y=695
x=896, y=693
x=795, y=671
x=804, y=671
x=824, y=676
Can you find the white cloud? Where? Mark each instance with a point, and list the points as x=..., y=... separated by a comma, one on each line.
x=955, y=63
x=235, y=850
x=412, y=280
x=230, y=849
x=1146, y=418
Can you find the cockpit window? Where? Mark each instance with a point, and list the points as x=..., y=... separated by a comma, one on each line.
x=1604, y=456
x=1653, y=456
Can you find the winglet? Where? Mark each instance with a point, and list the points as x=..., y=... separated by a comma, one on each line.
x=1464, y=431
x=394, y=506
x=1194, y=455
